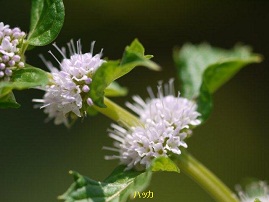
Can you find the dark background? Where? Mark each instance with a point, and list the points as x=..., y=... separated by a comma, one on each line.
x=35, y=157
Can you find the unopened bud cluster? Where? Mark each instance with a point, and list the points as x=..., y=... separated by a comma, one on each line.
x=10, y=50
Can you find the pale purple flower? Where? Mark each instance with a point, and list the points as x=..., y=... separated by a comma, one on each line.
x=166, y=122
x=139, y=145
x=68, y=93
x=10, y=50
x=174, y=110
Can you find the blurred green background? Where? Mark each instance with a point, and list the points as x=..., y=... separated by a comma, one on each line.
x=35, y=157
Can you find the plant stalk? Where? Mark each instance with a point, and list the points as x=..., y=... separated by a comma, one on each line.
x=118, y=114
x=205, y=178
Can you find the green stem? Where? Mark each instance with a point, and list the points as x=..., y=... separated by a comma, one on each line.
x=205, y=178
x=118, y=114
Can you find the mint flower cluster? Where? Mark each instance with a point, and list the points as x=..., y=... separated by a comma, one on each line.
x=67, y=95
x=10, y=50
x=166, y=122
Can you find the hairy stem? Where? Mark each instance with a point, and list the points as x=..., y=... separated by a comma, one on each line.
x=205, y=178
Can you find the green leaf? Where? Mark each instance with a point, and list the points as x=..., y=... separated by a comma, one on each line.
x=8, y=101
x=119, y=186
x=5, y=88
x=253, y=188
x=91, y=111
x=112, y=70
x=203, y=69
x=47, y=18
x=24, y=78
x=114, y=90
x=29, y=77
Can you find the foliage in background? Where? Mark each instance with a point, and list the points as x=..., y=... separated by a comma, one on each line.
x=203, y=69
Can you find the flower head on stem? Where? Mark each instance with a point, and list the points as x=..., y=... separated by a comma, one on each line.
x=166, y=122
x=67, y=95
x=139, y=145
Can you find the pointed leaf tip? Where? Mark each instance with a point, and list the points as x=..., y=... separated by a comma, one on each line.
x=112, y=70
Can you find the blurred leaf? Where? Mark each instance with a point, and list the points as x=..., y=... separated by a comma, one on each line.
x=119, y=186
x=164, y=164
x=8, y=101
x=203, y=69
x=114, y=89
x=91, y=111
x=112, y=70
x=253, y=188
x=47, y=18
